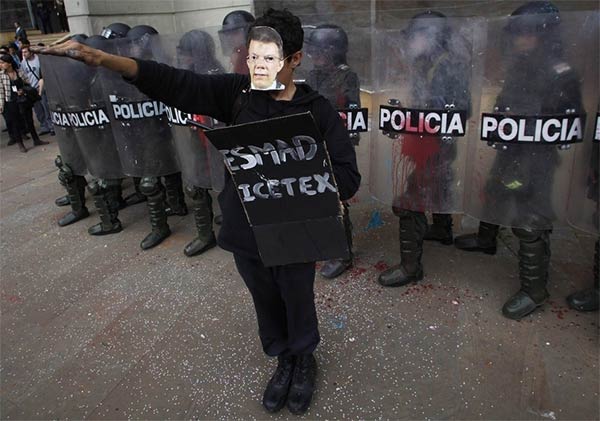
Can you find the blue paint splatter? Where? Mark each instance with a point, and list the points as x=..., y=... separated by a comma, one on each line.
x=338, y=322
x=375, y=221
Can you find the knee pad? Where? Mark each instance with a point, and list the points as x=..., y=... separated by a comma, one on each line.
x=149, y=186
x=97, y=186
x=65, y=174
x=93, y=187
x=530, y=235
x=195, y=193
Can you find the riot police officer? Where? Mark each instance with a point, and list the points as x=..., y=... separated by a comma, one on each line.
x=70, y=164
x=162, y=200
x=101, y=150
x=538, y=81
x=201, y=164
x=327, y=46
x=589, y=299
x=232, y=35
x=437, y=79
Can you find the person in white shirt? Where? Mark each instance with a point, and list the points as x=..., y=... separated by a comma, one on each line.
x=32, y=69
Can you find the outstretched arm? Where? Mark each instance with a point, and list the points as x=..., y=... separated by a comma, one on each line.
x=211, y=95
x=125, y=66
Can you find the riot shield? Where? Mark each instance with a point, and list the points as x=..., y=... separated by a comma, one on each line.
x=329, y=48
x=88, y=116
x=65, y=135
x=200, y=162
x=139, y=124
x=532, y=111
x=583, y=206
x=428, y=86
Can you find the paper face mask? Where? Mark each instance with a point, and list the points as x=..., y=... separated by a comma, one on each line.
x=265, y=59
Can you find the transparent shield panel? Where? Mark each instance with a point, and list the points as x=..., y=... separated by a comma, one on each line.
x=139, y=124
x=428, y=86
x=532, y=112
x=197, y=50
x=65, y=134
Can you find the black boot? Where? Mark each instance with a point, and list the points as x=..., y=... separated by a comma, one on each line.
x=412, y=230
x=175, y=197
x=335, y=267
x=203, y=217
x=441, y=229
x=158, y=217
x=278, y=387
x=75, y=186
x=303, y=384
x=103, y=194
x=588, y=299
x=534, y=259
x=137, y=196
x=62, y=201
x=484, y=241
x=116, y=194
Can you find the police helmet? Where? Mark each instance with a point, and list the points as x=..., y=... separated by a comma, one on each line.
x=115, y=30
x=329, y=39
x=96, y=41
x=81, y=38
x=139, y=31
x=431, y=22
x=236, y=20
x=533, y=17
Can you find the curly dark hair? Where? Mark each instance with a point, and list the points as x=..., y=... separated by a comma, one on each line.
x=8, y=59
x=287, y=25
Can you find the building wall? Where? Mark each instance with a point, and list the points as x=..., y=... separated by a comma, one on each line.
x=167, y=16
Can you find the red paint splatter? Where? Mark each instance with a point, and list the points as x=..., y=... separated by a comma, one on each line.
x=12, y=298
x=357, y=271
x=380, y=266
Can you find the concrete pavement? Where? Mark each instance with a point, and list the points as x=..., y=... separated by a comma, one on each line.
x=96, y=328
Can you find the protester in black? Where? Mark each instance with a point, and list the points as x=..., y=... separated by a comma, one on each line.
x=283, y=295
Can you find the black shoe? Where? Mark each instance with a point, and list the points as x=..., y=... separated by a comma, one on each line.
x=303, y=384
x=438, y=233
x=72, y=217
x=52, y=133
x=45, y=132
x=520, y=305
x=99, y=229
x=40, y=142
x=586, y=300
x=199, y=246
x=218, y=219
x=11, y=142
x=397, y=276
x=278, y=387
x=155, y=238
x=62, y=201
x=335, y=267
x=470, y=242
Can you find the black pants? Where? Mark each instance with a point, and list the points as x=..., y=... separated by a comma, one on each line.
x=14, y=121
x=285, y=305
x=26, y=109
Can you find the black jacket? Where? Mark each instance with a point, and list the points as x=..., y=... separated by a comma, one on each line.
x=222, y=96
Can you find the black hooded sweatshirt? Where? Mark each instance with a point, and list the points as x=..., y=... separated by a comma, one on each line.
x=227, y=98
